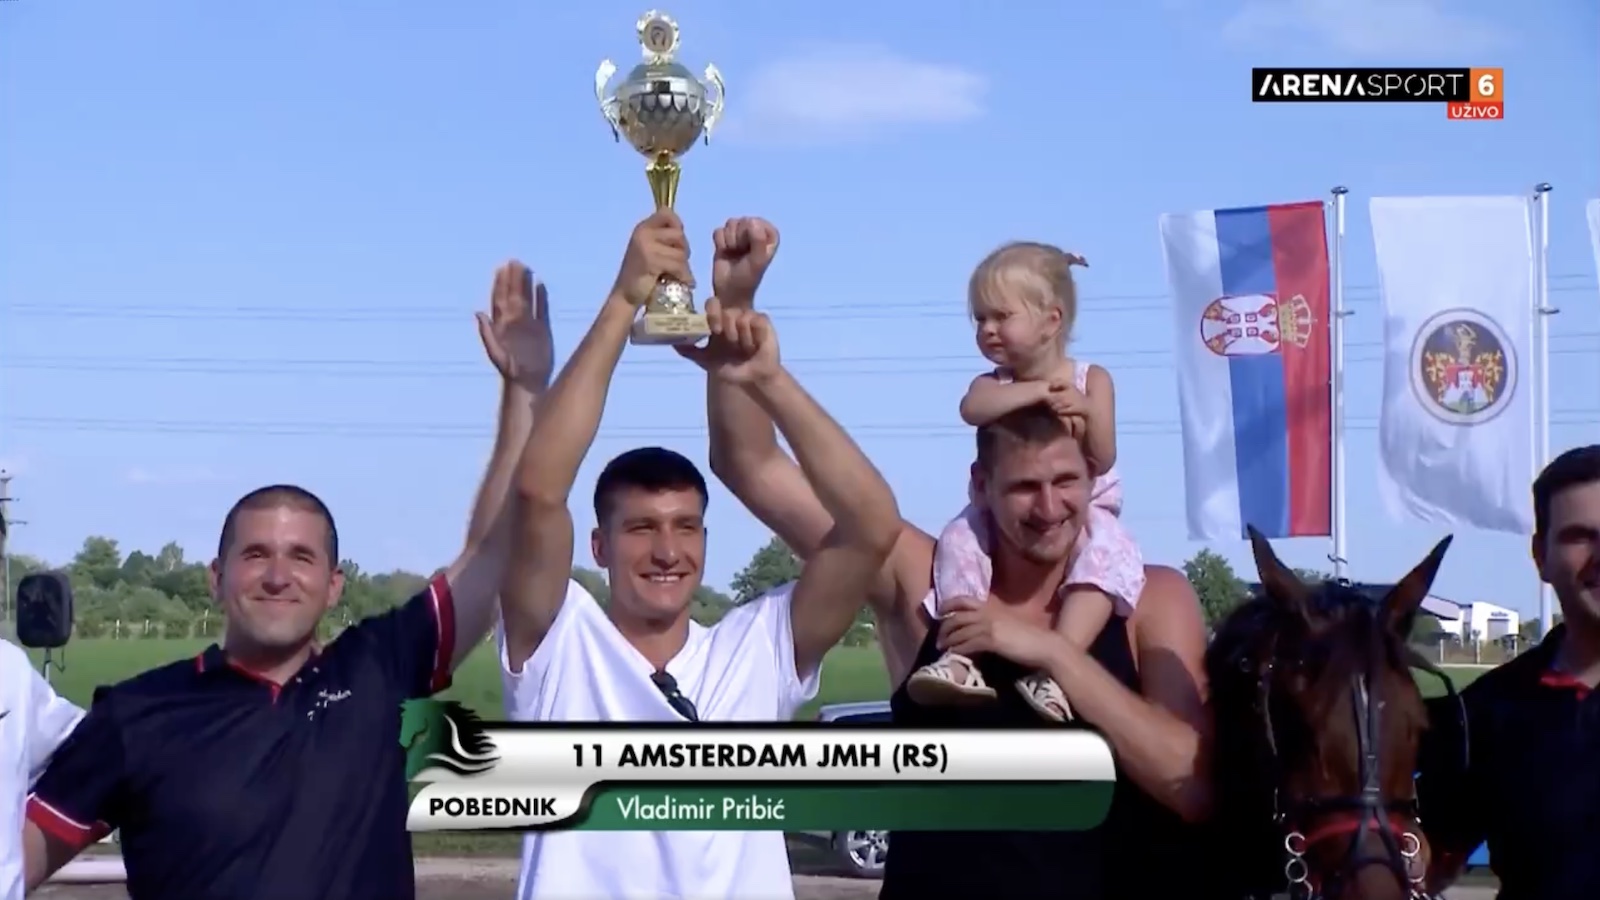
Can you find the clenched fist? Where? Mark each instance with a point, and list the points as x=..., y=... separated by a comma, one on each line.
x=657, y=249
x=744, y=250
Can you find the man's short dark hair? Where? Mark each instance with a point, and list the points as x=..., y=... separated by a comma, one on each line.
x=274, y=496
x=651, y=469
x=1030, y=426
x=1578, y=466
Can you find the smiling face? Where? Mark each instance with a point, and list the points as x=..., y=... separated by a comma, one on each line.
x=1035, y=483
x=1566, y=543
x=275, y=576
x=650, y=506
x=652, y=546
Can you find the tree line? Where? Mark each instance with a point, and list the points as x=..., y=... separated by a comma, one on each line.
x=167, y=595
x=138, y=595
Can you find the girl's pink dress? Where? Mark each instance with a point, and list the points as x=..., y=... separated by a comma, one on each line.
x=1107, y=558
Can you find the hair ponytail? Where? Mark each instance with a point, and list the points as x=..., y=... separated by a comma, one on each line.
x=1074, y=259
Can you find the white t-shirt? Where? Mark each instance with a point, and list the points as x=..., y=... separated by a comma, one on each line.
x=34, y=720
x=739, y=670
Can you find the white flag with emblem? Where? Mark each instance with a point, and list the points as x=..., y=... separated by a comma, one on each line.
x=1455, y=428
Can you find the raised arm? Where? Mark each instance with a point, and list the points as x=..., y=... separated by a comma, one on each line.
x=542, y=539
x=744, y=451
x=426, y=638
x=746, y=458
x=866, y=521
x=516, y=337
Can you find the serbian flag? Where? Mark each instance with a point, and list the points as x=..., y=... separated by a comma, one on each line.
x=1251, y=292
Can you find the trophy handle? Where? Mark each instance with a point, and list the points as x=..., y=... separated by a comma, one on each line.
x=714, y=112
x=608, y=105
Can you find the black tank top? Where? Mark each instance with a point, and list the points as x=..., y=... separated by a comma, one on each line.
x=1143, y=850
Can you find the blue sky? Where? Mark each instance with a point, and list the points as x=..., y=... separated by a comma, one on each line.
x=242, y=243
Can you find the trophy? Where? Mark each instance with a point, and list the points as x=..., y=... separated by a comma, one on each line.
x=662, y=109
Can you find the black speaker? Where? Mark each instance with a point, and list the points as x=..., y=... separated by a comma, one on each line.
x=44, y=610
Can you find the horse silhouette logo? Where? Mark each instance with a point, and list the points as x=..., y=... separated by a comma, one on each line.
x=443, y=734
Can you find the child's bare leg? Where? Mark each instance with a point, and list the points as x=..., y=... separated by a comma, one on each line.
x=1084, y=613
x=961, y=570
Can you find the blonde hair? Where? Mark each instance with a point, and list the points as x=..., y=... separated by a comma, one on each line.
x=1038, y=275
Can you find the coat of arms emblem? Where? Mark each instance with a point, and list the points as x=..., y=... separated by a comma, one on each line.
x=1463, y=369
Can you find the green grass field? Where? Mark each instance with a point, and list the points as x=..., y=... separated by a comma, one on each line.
x=849, y=674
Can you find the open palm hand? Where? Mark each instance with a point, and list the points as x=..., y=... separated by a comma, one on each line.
x=516, y=329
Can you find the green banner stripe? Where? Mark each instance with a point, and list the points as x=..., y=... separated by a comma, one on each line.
x=1065, y=806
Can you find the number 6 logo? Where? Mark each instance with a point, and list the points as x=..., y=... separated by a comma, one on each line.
x=1486, y=85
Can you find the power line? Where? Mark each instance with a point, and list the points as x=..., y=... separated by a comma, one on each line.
x=815, y=366
x=1099, y=304
x=451, y=431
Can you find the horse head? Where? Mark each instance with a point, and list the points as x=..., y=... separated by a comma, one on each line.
x=1319, y=722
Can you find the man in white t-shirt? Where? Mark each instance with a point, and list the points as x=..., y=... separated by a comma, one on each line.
x=34, y=720
x=642, y=658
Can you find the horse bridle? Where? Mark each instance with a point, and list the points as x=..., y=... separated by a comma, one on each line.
x=1402, y=846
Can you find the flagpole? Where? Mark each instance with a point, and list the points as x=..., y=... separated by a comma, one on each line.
x=1336, y=333
x=1541, y=342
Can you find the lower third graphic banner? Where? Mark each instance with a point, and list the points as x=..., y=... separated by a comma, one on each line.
x=483, y=776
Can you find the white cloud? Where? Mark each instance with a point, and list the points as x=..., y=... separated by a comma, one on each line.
x=1395, y=30
x=169, y=476
x=849, y=92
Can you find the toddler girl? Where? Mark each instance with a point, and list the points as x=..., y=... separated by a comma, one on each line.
x=1023, y=301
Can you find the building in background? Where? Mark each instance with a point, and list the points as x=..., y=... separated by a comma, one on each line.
x=1448, y=612
x=1486, y=623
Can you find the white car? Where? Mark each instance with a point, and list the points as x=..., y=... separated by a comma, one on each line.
x=860, y=853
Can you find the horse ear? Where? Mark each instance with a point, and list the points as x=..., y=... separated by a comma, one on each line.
x=1405, y=598
x=1278, y=580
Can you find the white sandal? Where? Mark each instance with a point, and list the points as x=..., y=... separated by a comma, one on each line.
x=940, y=684
x=1045, y=696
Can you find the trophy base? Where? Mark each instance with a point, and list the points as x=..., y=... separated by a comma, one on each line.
x=669, y=328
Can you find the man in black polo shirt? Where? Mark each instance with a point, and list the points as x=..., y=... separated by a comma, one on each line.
x=1530, y=784
x=269, y=767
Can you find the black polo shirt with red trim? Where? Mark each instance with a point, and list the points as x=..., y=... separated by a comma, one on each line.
x=224, y=785
x=1530, y=782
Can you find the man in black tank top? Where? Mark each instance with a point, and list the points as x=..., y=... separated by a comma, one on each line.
x=1141, y=684
x=1030, y=469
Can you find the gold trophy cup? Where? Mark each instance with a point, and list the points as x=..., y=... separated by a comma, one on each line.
x=662, y=109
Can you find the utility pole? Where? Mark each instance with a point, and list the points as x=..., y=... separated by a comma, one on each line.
x=6, y=524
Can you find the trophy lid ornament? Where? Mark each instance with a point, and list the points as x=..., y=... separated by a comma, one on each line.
x=658, y=37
